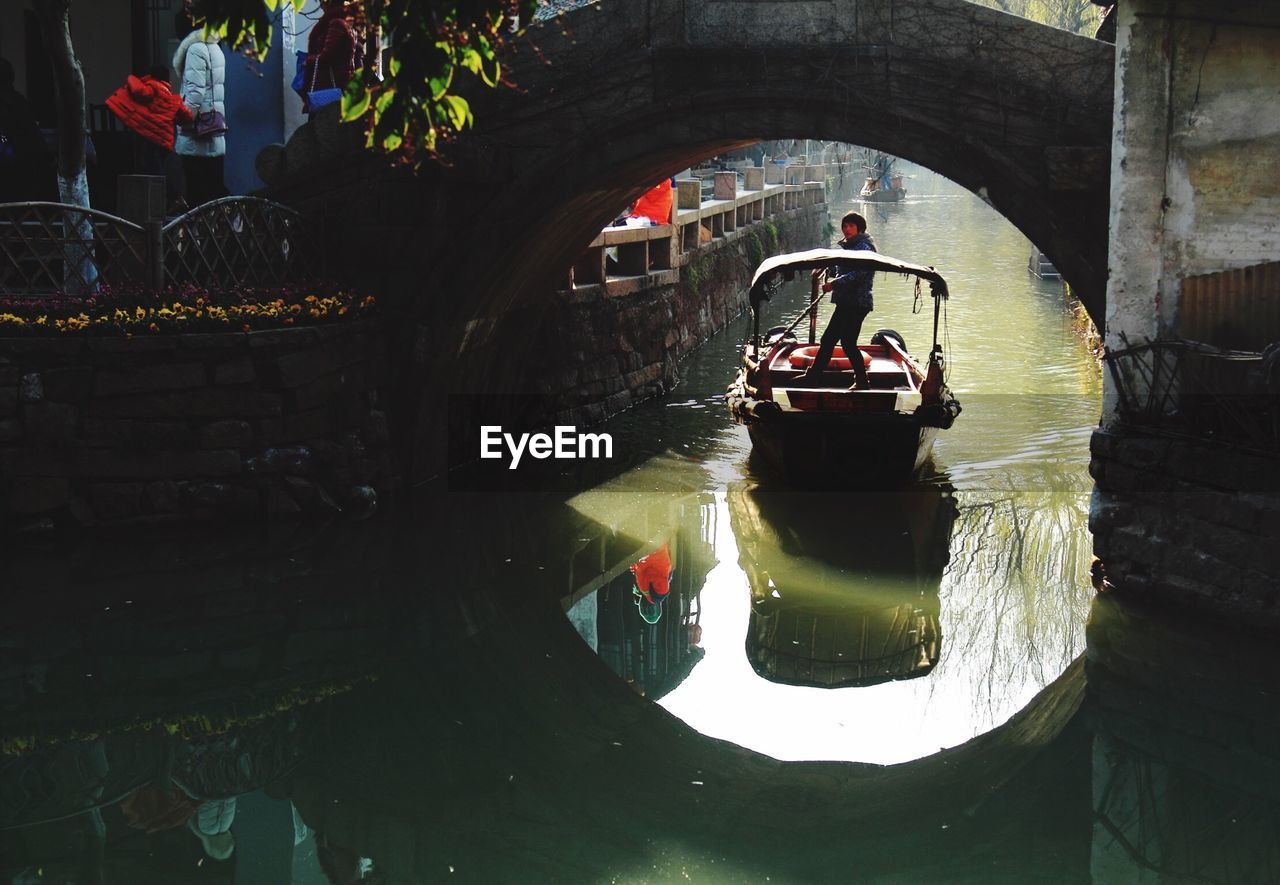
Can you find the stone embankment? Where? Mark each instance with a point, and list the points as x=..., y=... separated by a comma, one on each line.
x=641, y=299
x=173, y=428
x=1189, y=522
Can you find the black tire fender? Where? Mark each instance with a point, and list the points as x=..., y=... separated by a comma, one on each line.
x=881, y=334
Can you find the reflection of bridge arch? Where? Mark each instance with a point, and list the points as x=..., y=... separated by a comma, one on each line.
x=495, y=741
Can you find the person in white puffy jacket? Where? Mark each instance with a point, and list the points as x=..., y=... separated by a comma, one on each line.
x=202, y=70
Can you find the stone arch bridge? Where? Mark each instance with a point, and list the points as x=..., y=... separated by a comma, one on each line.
x=613, y=96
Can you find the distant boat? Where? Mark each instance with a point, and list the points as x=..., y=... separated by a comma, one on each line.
x=882, y=184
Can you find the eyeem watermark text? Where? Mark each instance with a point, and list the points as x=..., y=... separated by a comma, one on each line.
x=564, y=444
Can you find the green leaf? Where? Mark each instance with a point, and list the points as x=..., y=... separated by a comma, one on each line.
x=393, y=66
x=458, y=111
x=471, y=60
x=384, y=100
x=440, y=85
x=490, y=75
x=354, y=105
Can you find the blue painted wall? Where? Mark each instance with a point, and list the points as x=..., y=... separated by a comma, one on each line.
x=255, y=117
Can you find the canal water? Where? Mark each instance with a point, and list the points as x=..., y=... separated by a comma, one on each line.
x=838, y=687
x=875, y=628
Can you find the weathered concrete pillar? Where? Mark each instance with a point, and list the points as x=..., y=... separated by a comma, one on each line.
x=1193, y=176
x=726, y=186
x=795, y=174
x=815, y=173
x=753, y=178
x=774, y=174
x=1186, y=505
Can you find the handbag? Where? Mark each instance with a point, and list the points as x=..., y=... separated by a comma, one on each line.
x=210, y=123
x=321, y=98
x=318, y=98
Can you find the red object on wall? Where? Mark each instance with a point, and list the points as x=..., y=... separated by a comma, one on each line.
x=655, y=204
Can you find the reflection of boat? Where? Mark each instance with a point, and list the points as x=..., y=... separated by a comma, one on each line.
x=828, y=432
x=844, y=589
x=882, y=185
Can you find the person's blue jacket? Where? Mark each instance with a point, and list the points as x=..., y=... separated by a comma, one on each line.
x=852, y=286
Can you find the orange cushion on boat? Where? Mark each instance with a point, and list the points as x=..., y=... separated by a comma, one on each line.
x=802, y=357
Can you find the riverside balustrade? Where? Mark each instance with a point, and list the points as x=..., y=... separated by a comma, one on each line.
x=654, y=254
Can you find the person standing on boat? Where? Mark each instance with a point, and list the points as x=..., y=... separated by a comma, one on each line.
x=851, y=294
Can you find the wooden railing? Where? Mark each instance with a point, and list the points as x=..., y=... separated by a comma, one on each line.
x=52, y=250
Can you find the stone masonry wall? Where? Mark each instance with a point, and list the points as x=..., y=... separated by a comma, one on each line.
x=629, y=342
x=1188, y=523
x=179, y=428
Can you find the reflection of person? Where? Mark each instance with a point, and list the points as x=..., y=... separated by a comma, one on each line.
x=851, y=294
x=652, y=575
x=202, y=69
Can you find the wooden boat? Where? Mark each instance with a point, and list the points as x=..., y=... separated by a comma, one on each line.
x=874, y=191
x=882, y=185
x=825, y=432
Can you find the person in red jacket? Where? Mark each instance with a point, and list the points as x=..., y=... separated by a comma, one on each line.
x=334, y=51
x=150, y=109
x=148, y=106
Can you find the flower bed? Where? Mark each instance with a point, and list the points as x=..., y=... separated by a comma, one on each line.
x=183, y=310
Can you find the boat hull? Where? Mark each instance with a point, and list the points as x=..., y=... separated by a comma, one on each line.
x=889, y=195
x=865, y=451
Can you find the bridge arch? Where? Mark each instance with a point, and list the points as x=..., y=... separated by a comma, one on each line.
x=1017, y=112
x=612, y=96
x=615, y=95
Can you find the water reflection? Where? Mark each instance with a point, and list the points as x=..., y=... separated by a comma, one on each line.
x=1186, y=777
x=643, y=617
x=844, y=588
x=473, y=735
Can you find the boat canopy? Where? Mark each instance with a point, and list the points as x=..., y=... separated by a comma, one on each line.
x=814, y=259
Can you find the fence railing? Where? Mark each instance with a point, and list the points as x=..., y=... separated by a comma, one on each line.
x=52, y=248
x=48, y=250
x=1192, y=389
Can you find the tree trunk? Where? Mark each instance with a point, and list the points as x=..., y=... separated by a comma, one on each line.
x=54, y=17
